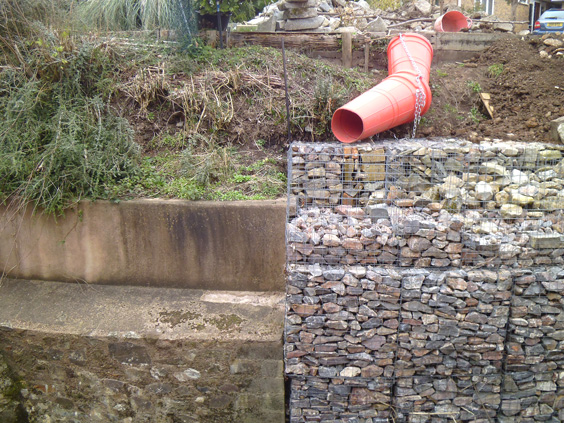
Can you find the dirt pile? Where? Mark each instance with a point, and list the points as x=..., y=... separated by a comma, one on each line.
x=524, y=79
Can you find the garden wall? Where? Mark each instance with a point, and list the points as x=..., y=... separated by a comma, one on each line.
x=235, y=246
x=425, y=282
x=81, y=353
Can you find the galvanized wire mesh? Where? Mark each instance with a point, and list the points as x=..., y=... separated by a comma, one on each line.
x=428, y=204
x=425, y=282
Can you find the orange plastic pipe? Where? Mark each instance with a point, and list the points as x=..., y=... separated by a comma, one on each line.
x=392, y=101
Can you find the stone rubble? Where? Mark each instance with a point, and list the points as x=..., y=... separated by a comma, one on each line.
x=419, y=15
x=425, y=282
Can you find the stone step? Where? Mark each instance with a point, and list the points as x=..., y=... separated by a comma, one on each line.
x=137, y=312
x=134, y=354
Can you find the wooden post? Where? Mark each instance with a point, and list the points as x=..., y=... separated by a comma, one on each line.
x=347, y=49
x=366, y=56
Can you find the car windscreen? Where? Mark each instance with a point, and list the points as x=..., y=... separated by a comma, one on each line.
x=557, y=14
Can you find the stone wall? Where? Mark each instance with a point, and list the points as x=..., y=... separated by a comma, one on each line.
x=78, y=379
x=80, y=353
x=425, y=283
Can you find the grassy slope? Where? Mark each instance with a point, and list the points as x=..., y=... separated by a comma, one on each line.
x=207, y=125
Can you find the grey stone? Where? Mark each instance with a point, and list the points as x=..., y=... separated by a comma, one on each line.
x=557, y=129
x=376, y=25
x=304, y=24
x=546, y=241
x=423, y=6
x=503, y=26
x=300, y=13
x=129, y=353
x=269, y=25
x=187, y=375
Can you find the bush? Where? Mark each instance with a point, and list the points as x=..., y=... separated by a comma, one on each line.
x=59, y=141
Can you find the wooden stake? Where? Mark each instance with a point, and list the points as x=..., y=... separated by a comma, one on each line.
x=366, y=56
x=347, y=49
x=486, y=97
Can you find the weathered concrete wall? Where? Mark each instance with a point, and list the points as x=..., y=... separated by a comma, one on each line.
x=83, y=353
x=168, y=243
x=453, y=46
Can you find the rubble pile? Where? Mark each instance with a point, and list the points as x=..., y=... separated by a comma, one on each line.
x=550, y=46
x=342, y=15
x=425, y=308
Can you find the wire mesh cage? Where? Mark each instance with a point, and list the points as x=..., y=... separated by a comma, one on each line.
x=428, y=204
x=425, y=282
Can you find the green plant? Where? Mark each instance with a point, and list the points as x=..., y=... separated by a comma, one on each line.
x=475, y=115
x=134, y=14
x=240, y=10
x=260, y=143
x=441, y=73
x=495, y=70
x=474, y=86
x=239, y=179
x=58, y=145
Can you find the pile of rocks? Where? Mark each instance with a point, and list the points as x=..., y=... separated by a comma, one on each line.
x=550, y=46
x=428, y=204
x=375, y=332
x=336, y=15
x=300, y=15
x=469, y=344
x=419, y=240
x=508, y=180
x=429, y=336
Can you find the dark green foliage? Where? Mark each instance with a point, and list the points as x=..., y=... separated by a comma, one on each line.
x=241, y=10
x=59, y=141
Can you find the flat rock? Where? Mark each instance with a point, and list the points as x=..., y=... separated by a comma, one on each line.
x=300, y=13
x=376, y=25
x=557, y=129
x=303, y=24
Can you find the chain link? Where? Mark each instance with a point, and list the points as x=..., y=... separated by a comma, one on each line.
x=420, y=96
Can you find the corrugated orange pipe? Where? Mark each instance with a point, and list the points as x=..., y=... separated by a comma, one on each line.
x=393, y=101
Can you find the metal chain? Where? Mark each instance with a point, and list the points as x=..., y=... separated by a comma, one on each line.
x=420, y=96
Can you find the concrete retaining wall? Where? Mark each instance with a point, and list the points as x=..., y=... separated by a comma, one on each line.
x=232, y=246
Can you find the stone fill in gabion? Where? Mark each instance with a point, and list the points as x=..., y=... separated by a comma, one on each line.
x=422, y=286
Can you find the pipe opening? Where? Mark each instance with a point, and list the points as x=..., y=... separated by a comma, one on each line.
x=347, y=126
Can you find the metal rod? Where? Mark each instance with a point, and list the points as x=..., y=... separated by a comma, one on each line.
x=219, y=24
x=286, y=89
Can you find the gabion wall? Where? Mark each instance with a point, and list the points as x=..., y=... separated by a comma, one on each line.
x=425, y=282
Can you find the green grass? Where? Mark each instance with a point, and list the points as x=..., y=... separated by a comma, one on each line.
x=474, y=86
x=495, y=70
x=168, y=176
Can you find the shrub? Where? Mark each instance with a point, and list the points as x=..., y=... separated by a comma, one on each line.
x=60, y=142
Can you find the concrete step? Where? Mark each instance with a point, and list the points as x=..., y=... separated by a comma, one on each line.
x=136, y=312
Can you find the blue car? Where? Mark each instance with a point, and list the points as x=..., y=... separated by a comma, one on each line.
x=551, y=20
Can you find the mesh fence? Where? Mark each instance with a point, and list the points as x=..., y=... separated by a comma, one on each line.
x=425, y=282
x=428, y=205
